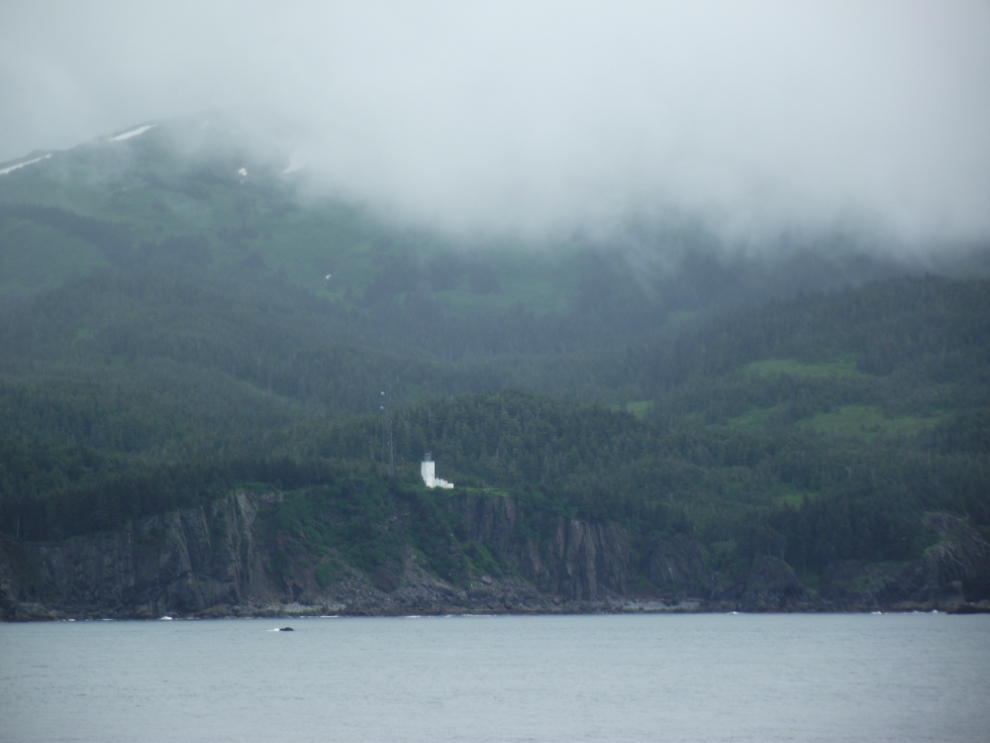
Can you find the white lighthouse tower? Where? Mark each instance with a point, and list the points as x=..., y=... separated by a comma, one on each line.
x=428, y=470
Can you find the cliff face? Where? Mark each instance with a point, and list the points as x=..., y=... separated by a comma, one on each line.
x=769, y=585
x=183, y=562
x=578, y=561
x=215, y=560
x=958, y=567
x=220, y=560
x=674, y=565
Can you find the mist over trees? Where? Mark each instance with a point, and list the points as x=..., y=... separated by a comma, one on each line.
x=181, y=321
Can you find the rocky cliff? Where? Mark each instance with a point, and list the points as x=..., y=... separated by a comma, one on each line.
x=183, y=562
x=220, y=560
x=576, y=560
x=214, y=561
x=953, y=573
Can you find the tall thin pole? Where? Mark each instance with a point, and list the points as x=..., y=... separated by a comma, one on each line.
x=388, y=450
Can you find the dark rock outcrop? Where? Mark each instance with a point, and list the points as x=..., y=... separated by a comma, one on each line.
x=577, y=561
x=952, y=575
x=675, y=564
x=211, y=562
x=218, y=561
x=954, y=571
x=772, y=585
x=164, y=564
x=769, y=585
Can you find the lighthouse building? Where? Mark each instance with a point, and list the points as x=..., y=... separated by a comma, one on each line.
x=428, y=470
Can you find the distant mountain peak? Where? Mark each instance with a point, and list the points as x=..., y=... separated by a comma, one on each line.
x=18, y=166
x=135, y=132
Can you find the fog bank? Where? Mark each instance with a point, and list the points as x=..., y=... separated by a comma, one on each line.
x=545, y=119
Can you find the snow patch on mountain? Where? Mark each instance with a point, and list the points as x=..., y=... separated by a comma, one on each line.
x=133, y=133
x=12, y=168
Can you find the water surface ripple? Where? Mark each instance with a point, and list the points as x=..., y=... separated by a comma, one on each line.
x=740, y=677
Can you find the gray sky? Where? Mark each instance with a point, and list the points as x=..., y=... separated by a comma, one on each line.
x=537, y=117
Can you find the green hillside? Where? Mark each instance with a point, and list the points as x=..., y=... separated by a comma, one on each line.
x=168, y=331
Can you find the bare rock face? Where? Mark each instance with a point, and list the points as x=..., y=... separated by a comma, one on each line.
x=577, y=561
x=954, y=571
x=952, y=575
x=772, y=585
x=675, y=564
x=586, y=561
x=212, y=562
x=217, y=561
x=176, y=563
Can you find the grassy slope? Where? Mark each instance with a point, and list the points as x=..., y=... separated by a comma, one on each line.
x=857, y=420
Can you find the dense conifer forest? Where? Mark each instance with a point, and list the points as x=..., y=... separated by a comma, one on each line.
x=170, y=331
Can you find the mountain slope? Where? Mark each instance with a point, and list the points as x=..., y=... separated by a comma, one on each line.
x=180, y=320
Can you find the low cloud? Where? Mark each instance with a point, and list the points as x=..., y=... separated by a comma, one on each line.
x=545, y=119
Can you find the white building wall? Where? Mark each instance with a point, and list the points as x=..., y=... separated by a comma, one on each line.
x=428, y=470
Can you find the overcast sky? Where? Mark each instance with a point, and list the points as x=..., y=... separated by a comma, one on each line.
x=535, y=117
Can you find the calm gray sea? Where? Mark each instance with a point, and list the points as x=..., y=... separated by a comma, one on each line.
x=913, y=677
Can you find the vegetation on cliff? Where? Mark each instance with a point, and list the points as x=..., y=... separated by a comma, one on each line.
x=172, y=330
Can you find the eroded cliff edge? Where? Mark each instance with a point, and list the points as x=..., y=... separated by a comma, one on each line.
x=220, y=560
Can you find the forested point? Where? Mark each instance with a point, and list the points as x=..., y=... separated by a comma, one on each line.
x=170, y=333
x=813, y=430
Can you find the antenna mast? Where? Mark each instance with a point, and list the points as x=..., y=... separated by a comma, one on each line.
x=388, y=450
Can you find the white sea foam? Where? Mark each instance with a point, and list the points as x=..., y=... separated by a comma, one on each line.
x=12, y=168
x=132, y=133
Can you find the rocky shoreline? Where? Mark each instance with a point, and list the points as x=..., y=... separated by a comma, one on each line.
x=28, y=612
x=423, y=595
x=177, y=565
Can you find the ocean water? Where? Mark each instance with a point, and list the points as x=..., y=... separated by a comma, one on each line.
x=890, y=677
